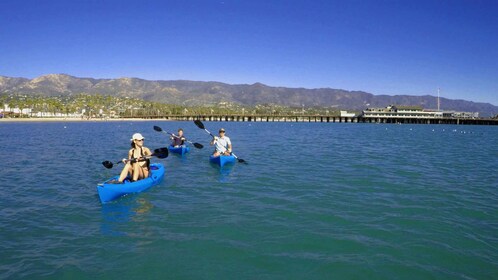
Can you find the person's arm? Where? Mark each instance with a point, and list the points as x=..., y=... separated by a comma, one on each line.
x=229, y=146
x=147, y=153
x=213, y=141
x=129, y=157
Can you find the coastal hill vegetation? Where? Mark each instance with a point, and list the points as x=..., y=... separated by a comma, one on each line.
x=98, y=106
x=125, y=96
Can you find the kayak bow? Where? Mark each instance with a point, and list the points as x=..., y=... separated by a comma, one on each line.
x=181, y=150
x=222, y=160
x=108, y=191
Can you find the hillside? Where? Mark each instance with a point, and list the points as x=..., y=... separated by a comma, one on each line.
x=192, y=93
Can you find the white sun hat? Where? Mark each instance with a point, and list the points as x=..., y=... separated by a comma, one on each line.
x=137, y=136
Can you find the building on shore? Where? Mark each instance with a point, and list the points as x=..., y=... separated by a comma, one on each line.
x=393, y=111
x=346, y=114
x=30, y=113
x=461, y=115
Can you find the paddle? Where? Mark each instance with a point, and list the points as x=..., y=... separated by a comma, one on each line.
x=197, y=145
x=160, y=153
x=200, y=125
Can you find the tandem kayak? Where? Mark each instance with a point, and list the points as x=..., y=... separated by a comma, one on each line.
x=108, y=192
x=183, y=149
x=222, y=160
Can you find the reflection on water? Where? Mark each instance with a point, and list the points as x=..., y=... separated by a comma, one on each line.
x=223, y=172
x=142, y=208
x=117, y=215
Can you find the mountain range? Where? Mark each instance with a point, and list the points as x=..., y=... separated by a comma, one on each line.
x=195, y=93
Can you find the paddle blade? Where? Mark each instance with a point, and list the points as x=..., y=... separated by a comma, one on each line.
x=157, y=128
x=199, y=124
x=239, y=159
x=161, y=153
x=107, y=164
x=198, y=146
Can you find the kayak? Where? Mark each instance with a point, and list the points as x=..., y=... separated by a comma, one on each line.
x=222, y=160
x=183, y=149
x=108, y=191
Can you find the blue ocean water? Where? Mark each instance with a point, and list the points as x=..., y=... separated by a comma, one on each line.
x=315, y=201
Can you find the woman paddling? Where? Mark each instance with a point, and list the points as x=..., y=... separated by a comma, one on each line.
x=137, y=164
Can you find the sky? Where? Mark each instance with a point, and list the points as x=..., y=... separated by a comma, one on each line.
x=381, y=47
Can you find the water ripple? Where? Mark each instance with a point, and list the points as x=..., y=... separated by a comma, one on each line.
x=314, y=200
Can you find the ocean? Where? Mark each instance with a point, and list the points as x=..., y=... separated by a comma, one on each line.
x=314, y=201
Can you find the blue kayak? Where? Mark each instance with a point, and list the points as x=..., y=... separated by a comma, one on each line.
x=222, y=160
x=183, y=149
x=108, y=192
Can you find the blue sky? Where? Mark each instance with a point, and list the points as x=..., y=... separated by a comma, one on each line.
x=381, y=47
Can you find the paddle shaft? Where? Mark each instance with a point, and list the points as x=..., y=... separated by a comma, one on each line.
x=197, y=145
x=109, y=164
x=176, y=136
x=209, y=133
x=160, y=153
x=157, y=153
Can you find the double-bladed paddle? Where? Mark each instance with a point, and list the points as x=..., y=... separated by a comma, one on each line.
x=159, y=153
x=200, y=125
x=197, y=145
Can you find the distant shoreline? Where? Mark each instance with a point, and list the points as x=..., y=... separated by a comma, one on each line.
x=75, y=120
x=301, y=119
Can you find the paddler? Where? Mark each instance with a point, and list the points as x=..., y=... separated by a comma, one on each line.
x=178, y=140
x=222, y=144
x=137, y=164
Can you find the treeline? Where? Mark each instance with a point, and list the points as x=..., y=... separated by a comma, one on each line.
x=97, y=105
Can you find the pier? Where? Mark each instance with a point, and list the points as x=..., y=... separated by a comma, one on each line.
x=326, y=119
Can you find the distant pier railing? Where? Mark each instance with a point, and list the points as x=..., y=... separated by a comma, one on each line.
x=326, y=119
